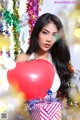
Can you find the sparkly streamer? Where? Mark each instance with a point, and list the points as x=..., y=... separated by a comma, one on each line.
x=15, y=33
x=32, y=8
x=4, y=29
x=3, y=26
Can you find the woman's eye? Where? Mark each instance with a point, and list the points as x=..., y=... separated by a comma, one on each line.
x=44, y=32
x=54, y=34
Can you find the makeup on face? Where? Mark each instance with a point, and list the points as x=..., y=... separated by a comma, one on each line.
x=48, y=36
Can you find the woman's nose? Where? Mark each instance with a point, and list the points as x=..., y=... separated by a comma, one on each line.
x=49, y=38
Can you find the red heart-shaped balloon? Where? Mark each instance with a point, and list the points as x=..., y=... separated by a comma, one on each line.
x=33, y=78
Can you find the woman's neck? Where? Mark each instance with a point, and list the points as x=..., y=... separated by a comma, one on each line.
x=41, y=55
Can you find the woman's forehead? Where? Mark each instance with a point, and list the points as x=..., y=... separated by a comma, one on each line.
x=50, y=27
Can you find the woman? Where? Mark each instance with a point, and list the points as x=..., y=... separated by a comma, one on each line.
x=47, y=42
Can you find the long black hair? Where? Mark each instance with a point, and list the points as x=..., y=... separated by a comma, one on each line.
x=59, y=51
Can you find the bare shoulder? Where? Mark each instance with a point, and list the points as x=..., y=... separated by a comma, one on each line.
x=22, y=57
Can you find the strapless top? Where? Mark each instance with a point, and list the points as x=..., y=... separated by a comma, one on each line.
x=56, y=82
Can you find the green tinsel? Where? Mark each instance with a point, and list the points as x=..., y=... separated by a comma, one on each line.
x=11, y=19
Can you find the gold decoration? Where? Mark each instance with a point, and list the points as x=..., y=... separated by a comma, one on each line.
x=4, y=42
x=77, y=33
x=16, y=34
x=41, y=2
x=70, y=67
x=2, y=106
x=75, y=14
x=0, y=8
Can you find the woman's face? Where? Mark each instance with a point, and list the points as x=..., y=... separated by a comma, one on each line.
x=47, y=37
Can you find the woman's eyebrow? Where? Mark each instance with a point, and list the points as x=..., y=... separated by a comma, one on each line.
x=49, y=31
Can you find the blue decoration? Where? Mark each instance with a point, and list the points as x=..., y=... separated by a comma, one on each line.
x=49, y=92
x=48, y=99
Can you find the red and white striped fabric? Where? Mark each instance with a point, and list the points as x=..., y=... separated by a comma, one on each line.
x=47, y=111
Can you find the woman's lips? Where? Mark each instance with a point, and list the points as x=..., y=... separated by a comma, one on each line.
x=46, y=45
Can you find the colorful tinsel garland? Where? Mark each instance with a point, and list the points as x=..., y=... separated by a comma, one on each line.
x=11, y=19
x=32, y=8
